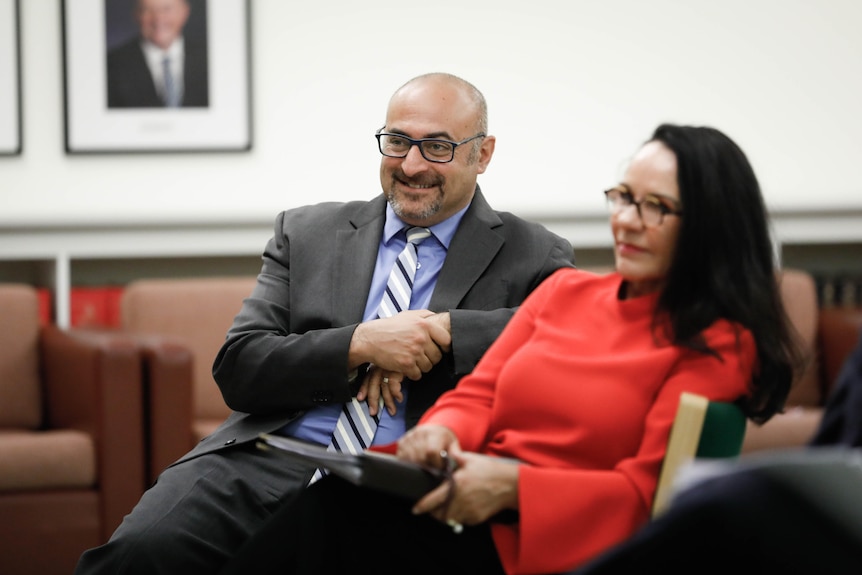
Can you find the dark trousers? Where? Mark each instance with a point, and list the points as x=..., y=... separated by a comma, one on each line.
x=761, y=519
x=335, y=527
x=197, y=515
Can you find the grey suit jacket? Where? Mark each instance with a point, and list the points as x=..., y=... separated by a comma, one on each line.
x=288, y=346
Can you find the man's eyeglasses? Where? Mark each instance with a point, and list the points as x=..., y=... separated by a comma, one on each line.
x=651, y=209
x=432, y=149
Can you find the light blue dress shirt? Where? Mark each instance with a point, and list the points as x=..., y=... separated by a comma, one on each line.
x=318, y=423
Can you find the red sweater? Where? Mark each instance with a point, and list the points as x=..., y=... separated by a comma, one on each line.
x=579, y=389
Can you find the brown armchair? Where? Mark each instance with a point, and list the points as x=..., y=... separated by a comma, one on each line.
x=71, y=440
x=829, y=335
x=180, y=324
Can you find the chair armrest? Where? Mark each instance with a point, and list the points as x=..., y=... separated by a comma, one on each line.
x=701, y=428
x=792, y=429
x=681, y=445
x=93, y=383
x=169, y=388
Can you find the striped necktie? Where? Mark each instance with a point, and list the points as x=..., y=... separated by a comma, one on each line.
x=356, y=427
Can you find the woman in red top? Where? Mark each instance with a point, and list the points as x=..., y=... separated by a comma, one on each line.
x=559, y=433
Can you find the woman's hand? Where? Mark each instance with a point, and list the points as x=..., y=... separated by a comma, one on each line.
x=425, y=444
x=480, y=486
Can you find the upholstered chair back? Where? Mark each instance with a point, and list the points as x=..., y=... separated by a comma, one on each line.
x=198, y=312
x=20, y=394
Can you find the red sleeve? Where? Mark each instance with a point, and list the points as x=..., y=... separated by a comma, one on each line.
x=467, y=409
x=570, y=515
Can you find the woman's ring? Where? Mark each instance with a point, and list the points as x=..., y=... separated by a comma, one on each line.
x=385, y=380
x=456, y=527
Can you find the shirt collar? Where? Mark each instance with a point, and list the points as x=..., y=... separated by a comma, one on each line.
x=444, y=231
x=152, y=51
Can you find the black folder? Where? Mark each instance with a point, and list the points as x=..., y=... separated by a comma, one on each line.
x=375, y=470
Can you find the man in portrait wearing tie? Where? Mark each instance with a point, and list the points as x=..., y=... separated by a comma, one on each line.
x=161, y=67
x=394, y=297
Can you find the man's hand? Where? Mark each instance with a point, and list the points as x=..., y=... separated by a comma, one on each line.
x=443, y=320
x=378, y=384
x=409, y=343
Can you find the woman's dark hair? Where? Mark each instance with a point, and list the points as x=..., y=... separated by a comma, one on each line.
x=724, y=264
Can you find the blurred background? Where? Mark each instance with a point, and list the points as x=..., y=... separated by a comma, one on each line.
x=573, y=86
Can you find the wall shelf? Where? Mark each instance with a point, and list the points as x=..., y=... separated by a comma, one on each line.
x=62, y=256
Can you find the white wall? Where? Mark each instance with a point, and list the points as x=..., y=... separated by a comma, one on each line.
x=573, y=87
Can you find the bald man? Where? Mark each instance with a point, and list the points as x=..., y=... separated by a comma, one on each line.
x=310, y=338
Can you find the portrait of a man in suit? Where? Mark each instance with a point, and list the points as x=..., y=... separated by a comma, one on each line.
x=156, y=58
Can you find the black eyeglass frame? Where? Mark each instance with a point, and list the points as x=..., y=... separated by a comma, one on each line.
x=418, y=143
x=664, y=210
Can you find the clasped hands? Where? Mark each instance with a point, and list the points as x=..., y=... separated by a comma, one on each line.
x=405, y=345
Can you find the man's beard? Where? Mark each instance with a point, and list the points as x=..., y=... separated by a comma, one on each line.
x=428, y=209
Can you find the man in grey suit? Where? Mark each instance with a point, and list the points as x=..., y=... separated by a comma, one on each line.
x=308, y=338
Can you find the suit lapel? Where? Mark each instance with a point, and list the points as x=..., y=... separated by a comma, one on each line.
x=144, y=85
x=357, y=247
x=472, y=249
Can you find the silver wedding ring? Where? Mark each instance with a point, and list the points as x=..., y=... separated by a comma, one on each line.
x=456, y=527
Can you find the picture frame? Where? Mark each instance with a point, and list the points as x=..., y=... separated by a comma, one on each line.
x=117, y=90
x=10, y=75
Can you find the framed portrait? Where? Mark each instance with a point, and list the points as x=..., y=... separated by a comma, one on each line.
x=10, y=79
x=157, y=75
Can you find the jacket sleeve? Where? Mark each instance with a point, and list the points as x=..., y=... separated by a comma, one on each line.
x=473, y=331
x=266, y=366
